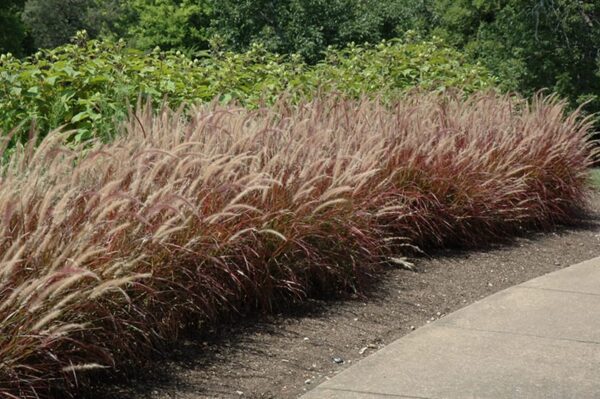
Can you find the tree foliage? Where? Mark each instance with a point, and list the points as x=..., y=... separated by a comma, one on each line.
x=145, y=24
x=530, y=44
x=308, y=27
x=12, y=30
x=53, y=22
x=305, y=27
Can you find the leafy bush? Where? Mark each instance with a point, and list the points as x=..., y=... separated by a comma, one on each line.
x=389, y=69
x=107, y=252
x=87, y=85
x=528, y=44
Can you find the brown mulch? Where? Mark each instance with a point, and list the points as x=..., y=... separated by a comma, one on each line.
x=284, y=355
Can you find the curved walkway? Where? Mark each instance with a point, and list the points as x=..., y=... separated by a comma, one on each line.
x=539, y=339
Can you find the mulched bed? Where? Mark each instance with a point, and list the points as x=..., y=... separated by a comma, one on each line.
x=284, y=355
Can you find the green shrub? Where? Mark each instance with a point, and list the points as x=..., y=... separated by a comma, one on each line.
x=86, y=86
x=389, y=68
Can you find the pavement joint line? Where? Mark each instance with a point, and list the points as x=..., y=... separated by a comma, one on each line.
x=449, y=324
x=390, y=395
x=556, y=290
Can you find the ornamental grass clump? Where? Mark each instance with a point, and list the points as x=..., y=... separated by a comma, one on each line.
x=109, y=251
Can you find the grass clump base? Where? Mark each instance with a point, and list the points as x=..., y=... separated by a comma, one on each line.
x=107, y=252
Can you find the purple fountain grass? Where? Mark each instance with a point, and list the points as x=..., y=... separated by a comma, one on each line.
x=109, y=250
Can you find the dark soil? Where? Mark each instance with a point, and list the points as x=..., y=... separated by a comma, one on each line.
x=284, y=355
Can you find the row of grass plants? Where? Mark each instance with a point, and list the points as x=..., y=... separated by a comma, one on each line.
x=108, y=252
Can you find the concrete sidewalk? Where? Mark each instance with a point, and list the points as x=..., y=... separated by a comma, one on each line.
x=540, y=339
